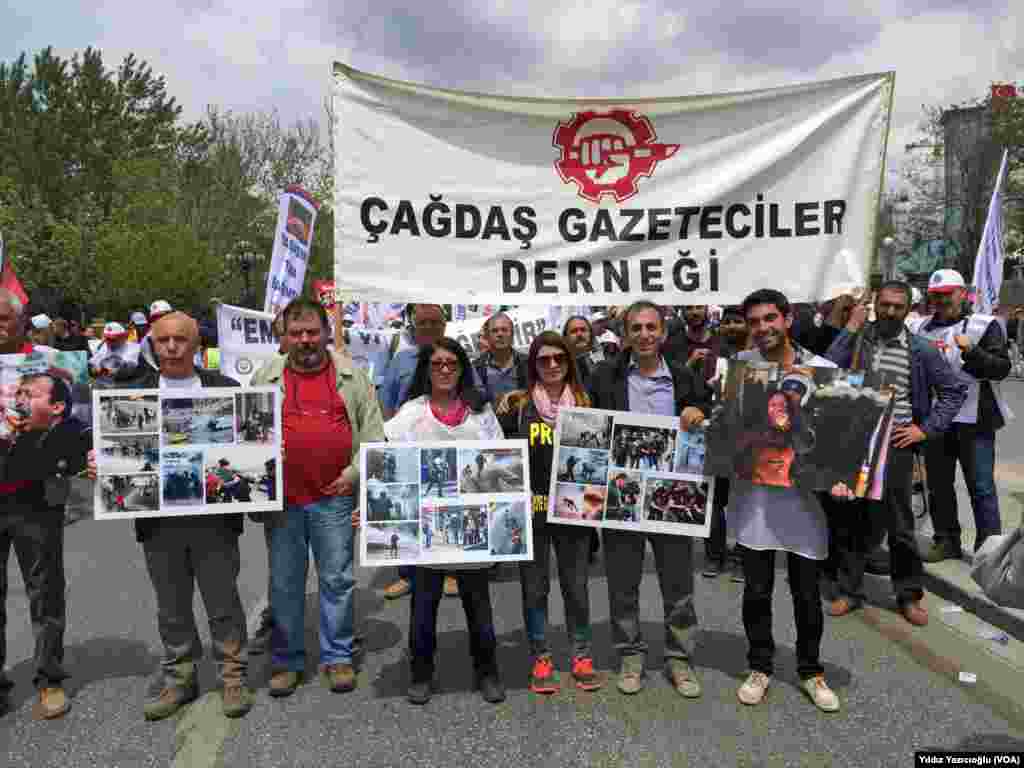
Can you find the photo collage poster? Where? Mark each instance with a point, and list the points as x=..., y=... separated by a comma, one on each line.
x=176, y=452
x=630, y=472
x=803, y=427
x=438, y=503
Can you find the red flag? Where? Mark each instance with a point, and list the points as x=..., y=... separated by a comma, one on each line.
x=8, y=279
x=1001, y=93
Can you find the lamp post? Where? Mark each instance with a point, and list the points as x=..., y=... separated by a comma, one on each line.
x=245, y=256
x=888, y=258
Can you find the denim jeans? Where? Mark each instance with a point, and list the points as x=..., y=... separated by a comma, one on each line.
x=326, y=525
x=975, y=449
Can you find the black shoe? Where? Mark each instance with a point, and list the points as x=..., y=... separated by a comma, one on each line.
x=877, y=562
x=491, y=688
x=713, y=567
x=419, y=693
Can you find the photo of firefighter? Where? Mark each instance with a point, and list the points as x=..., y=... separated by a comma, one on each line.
x=644, y=448
x=676, y=501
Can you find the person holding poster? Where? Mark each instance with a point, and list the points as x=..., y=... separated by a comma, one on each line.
x=44, y=447
x=329, y=411
x=181, y=552
x=640, y=380
x=445, y=405
x=530, y=414
x=914, y=370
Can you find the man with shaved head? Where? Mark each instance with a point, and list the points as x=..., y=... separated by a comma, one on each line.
x=182, y=551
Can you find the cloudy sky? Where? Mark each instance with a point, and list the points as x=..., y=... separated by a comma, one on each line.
x=246, y=55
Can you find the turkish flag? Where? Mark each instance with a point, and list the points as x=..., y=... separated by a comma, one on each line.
x=8, y=279
x=1003, y=91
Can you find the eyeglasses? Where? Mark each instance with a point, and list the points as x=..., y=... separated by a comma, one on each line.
x=545, y=361
x=444, y=365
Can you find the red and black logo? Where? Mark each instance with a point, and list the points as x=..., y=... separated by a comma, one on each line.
x=605, y=153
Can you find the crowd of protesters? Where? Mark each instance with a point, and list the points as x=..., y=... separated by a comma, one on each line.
x=946, y=360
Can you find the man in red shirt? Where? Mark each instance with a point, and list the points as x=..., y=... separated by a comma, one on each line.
x=328, y=409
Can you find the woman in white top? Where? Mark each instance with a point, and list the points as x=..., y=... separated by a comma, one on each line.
x=443, y=404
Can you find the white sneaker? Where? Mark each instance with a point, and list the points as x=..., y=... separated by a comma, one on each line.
x=822, y=696
x=753, y=689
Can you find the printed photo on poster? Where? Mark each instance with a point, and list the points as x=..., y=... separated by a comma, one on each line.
x=300, y=220
x=391, y=503
x=393, y=465
x=676, y=501
x=127, y=454
x=254, y=418
x=442, y=532
x=127, y=414
x=240, y=474
x=508, y=528
x=582, y=465
x=625, y=489
x=584, y=429
x=806, y=427
x=438, y=468
x=690, y=450
x=182, y=478
x=70, y=368
x=490, y=470
x=647, y=448
x=198, y=421
x=391, y=543
x=119, y=494
x=474, y=528
x=579, y=502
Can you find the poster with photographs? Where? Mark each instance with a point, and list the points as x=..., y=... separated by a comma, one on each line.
x=445, y=503
x=629, y=471
x=169, y=452
x=804, y=427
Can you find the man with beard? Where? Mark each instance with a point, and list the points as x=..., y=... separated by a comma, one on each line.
x=975, y=347
x=914, y=370
x=694, y=344
x=329, y=410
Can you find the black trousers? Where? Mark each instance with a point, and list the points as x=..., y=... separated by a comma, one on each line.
x=714, y=545
x=475, y=592
x=759, y=572
x=39, y=546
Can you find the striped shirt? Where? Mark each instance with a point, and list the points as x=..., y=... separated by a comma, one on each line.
x=892, y=364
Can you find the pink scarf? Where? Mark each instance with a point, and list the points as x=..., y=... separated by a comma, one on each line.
x=547, y=409
x=455, y=415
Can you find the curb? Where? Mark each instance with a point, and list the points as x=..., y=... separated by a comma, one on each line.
x=975, y=601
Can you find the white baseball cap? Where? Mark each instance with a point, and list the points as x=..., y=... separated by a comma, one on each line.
x=598, y=316
x=916, y=296
x=945, y=281
x=40, y=321
x=607, y=338
x=159, y=307
x=139, y=319
x=114, y=331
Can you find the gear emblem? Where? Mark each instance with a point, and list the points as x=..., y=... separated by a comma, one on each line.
x=606, y=153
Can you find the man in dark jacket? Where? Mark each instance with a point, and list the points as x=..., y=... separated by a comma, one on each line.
x=183, y=551
x=641, y=381
x=45, y=447
x=913, y=370
x=501, y=369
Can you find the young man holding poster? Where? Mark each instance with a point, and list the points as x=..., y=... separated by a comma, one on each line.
x=641, y=381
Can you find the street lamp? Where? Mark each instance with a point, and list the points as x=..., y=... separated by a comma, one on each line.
x=246, y=256
x=889, y=258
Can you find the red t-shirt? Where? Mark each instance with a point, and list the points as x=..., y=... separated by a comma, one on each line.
x=317, y=434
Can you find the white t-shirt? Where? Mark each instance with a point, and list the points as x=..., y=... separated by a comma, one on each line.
x=192, y=382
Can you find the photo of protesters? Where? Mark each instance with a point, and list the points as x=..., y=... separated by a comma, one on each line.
x=198, y=421
x=391, y=503
x=127, y=493
x=475, y=534
x=579, y=502
x=690, y=450
x=645, y=448
x=240, y=474
x=676, y=501
x=124, y=455
x=128, y=414
x=582, y=465
x=586, y=430
x=508, y=529
x=624, y=490
x=389, y=542
x=491, y=470
x=442, y=532
x=438, y=467
x=254, y=417
x=183, y=478
x=393, y=465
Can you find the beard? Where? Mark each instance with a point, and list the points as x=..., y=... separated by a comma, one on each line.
x=307, y=355
x=888, y=327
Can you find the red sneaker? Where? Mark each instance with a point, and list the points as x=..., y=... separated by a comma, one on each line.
x=544, y=677
x=584, y=675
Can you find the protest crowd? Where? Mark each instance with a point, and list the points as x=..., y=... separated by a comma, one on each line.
x=644, y=359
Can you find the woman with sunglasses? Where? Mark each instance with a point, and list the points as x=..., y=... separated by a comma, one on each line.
x=551, y=384
x=443, y=405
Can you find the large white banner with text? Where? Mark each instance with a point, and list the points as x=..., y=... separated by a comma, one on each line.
x=446, y=196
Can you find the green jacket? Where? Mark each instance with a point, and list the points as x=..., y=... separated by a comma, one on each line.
x=360, y=400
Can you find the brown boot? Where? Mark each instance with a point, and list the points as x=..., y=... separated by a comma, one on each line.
x=284, y=683
x=52, y=703
x=341, y=678
x=915, y=613
x=839, y=607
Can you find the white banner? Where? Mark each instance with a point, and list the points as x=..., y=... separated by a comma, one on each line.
x=437, y=503
x=527, y=324
x=246, y=340
x=446, y=196
x=172, y=453
x=293, y=237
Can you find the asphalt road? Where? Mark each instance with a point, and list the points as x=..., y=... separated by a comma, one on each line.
x=898, y=686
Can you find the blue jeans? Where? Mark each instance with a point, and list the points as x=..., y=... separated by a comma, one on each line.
x=326, y=525
x=975, y=449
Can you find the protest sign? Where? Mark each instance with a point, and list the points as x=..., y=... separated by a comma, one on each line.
x=527, y=324
x=246, y=338
x=293, y=237
x=173, y=453
x=439, y=503
x=456, y=197
x=70, y=367
x=804, y=427
x=627, y=471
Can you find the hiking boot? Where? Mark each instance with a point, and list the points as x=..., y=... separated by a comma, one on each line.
x=419, y=693
x=683, y=678
x=341, y=678
x=259, y=643
x=631, y=676
x=451, y=586
x=754, y=688
x=584, y=675
x=52, y=703
x=284, y=682
x=490, y=688
x=915, y=613
x=397, y=589
x=942, y=549
x=544, y=676
x=237, y=699
x=822, y=696
x=170, y=700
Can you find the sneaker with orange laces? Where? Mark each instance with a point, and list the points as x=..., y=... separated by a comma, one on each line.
x=544, y=677
x=584, y=675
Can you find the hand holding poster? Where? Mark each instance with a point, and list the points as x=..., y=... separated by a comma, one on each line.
x=293, y=238
x=163, y=453
x=441, y=503
x=629, y=472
